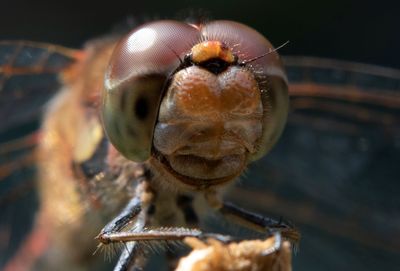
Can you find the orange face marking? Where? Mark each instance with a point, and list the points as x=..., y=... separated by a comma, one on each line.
x=199, y=92
x=211, y=49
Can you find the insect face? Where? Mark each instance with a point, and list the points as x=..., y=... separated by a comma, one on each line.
x=187, y=98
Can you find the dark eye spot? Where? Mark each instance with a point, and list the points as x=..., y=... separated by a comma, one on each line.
x=141, y=108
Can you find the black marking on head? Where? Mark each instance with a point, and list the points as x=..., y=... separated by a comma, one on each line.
x=215, y=65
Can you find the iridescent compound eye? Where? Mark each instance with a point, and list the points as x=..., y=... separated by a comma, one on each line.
x=200, y=97
x=134, y=81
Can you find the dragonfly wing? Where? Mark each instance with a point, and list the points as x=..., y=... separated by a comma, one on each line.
x=335, y=172
x=29, y=77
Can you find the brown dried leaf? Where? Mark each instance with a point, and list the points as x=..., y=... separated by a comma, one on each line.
x=253, y=255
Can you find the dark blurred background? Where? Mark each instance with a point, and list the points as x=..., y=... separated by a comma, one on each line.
x=365, y=31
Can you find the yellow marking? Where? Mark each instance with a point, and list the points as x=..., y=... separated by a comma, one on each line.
x=211, y=49
x=88, y=140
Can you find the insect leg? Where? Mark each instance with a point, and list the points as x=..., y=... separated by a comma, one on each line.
x=132, y=217
x=254, y=221
x=163, y=234
x=125, y=218
x=158, y=234
x=129, y=260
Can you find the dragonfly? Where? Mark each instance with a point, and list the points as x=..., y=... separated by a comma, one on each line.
x=333, y=171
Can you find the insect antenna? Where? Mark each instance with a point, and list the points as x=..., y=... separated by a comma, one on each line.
x=265, y=54
x=175, y=53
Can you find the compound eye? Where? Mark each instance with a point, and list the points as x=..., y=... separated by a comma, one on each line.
x=134, y=83
x=129, y=114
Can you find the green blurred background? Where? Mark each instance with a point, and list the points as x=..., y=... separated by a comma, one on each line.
x=365, y=31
